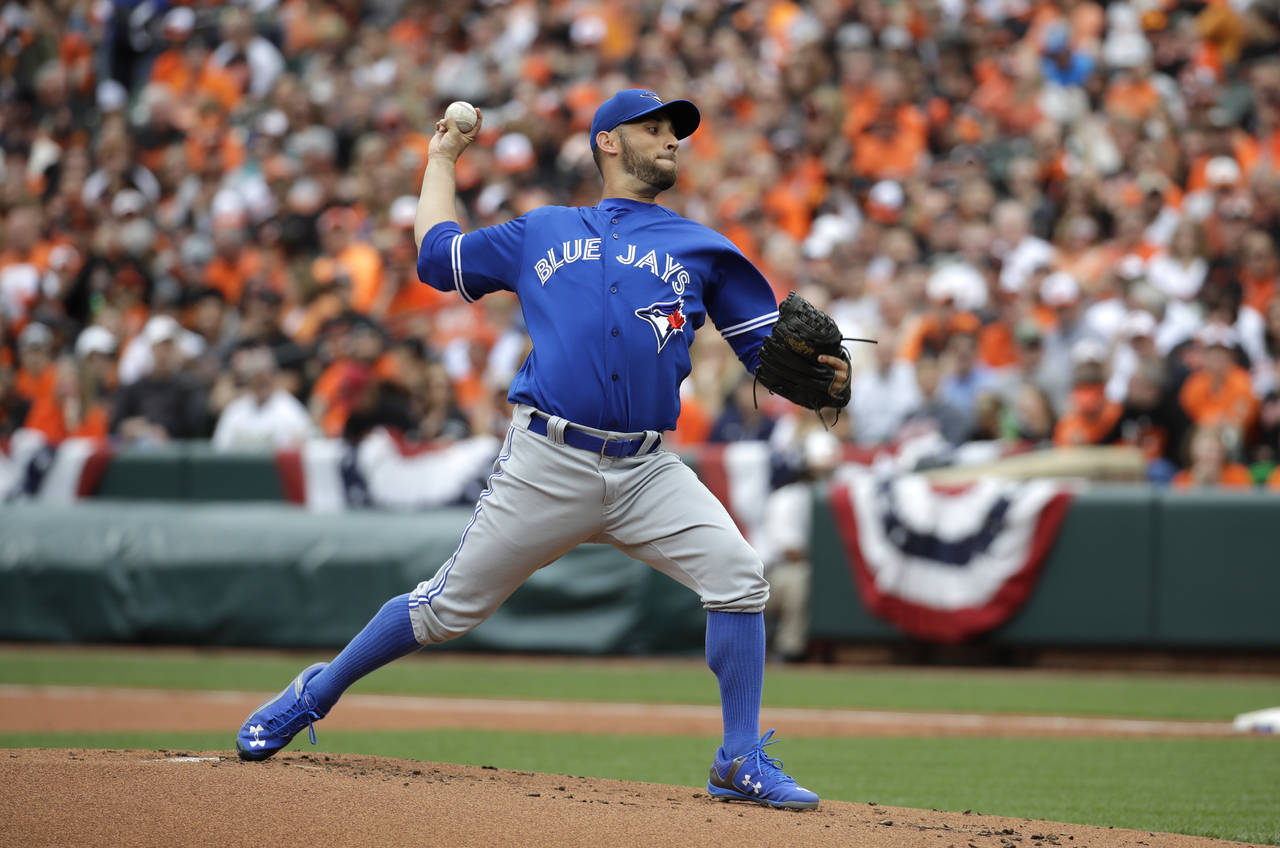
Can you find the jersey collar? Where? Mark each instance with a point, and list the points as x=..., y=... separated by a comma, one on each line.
x=611, y=204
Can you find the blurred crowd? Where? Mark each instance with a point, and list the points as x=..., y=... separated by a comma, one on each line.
x=1059, y=220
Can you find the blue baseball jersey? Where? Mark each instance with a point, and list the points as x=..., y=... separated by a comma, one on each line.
x=611, y=295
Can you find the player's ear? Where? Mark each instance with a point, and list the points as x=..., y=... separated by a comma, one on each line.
x=607, y=141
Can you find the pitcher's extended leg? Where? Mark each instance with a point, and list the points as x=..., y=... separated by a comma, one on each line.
x=518, y=526
x=388, y=636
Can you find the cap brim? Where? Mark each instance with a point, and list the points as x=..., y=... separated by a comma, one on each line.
x=684, y=116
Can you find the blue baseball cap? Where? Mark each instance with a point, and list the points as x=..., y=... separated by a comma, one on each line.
x=632, y=103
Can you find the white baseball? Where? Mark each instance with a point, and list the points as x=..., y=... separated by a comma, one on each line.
x=463, y=114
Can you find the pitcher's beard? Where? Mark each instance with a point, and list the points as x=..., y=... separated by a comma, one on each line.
x=647, y=170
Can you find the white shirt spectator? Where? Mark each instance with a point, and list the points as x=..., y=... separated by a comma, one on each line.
x=1125, y=357
x=880, y=400
x=265, y=63
x=19, y=288
x=1160, y=230
x=96, y=184
x=1104, y=320
x=1251, y=329
x=280, y=422
x=1176, y=279
x=786, y=523
x=1181, y=320
x=137, y=360
x=1022, y=260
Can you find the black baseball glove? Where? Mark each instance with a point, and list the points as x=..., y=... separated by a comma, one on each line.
x=789, y=363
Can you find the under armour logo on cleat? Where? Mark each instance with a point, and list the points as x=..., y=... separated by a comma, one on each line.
x=255, y=730
x=754, y=787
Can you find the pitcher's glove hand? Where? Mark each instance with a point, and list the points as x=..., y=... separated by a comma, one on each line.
x=789, y=363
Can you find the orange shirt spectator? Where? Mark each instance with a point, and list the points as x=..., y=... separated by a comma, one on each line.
x=935, y=329
x=1244, y=155
x=1011, y=102
x=350, y=378
x=60, y=417
x=1273, y=480
x=355, y=259
x=95, y=424
x=234, y=263
x=1209, y=401
x=1131, y=97
x=191, y=78
x=1268, y=148
x=327, y=303
x=1089, y=420
x=414, y=297
x=890, y=150
x=470, y=390
x=410, y=297
x=38, y=384
x=209, y=142
x=997, y=347
x=1258, y=291
x=1259, y=272
x=1220, y=393
x=693, y=427
x=37, y=378
x=310, y=23
x=1088, y=266
x=1233, y=476
x=229, y=274
x=791, y=202
x=363, y=264
x=37, y=256
x=336, y=392
x=886, y=133
x=1210, y=466
x=46, y=416
x=787, y=210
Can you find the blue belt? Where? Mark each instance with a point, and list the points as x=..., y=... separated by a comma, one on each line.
x=578, y=438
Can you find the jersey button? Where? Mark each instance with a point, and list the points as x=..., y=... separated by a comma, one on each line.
x=614, y=332
x=615, y=235
x=614, y=221
x=615, y=378
x=613, y=289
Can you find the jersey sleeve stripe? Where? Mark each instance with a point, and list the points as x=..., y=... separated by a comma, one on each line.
x=455, y=250
x=747, y=326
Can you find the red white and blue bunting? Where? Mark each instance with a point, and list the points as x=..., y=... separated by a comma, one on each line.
x=946, y=564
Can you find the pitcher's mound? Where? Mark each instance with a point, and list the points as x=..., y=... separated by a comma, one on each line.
x=116, y=799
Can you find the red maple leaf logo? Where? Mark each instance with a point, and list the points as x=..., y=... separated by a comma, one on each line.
x=676, y=319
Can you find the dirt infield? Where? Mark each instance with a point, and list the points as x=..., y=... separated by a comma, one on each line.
x=172, y=798
x=44, y=709
x=168, y=798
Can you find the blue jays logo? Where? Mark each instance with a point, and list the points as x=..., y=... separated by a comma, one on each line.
x=666, y=319
x=651, y=94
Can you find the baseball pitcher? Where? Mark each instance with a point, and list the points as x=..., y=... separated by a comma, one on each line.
x=612, y=296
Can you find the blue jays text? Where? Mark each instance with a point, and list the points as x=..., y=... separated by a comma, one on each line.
x=611, y=296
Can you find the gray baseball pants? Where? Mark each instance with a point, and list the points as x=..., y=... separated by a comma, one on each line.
x=545, y=498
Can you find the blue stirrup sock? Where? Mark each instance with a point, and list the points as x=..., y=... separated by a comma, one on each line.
x=735, y=653
x=388, y=636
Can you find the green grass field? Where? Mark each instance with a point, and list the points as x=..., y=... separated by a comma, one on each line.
x=1211, y=787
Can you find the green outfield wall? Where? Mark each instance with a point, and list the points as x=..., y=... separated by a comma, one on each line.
x=272, y=574
x=1135, y=567
x=1139, y=567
